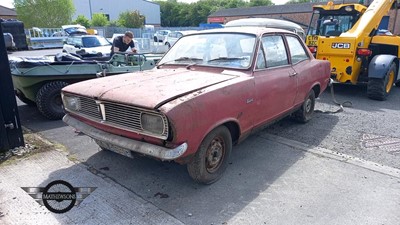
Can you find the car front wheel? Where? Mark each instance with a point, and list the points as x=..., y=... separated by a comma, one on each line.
x=211, y=158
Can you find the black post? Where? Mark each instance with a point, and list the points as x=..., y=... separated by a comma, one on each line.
x=11, y=130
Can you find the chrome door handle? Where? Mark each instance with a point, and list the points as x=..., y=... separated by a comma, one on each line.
x=292, y=74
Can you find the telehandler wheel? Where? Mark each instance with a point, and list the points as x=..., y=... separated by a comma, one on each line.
x=211, y=158
x=379, y=88
x=306, y=111
x=48, y=100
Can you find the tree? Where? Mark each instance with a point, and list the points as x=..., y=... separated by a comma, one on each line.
x=82, y=20
x=44, y=13
x=260, y=3
x=131, y=19
x=113, y=23
x=99, y=20
x=175, y=13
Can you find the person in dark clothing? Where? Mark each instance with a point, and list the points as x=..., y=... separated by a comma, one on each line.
x=122, y=43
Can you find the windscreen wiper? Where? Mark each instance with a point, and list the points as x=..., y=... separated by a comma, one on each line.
x=192, y=59
x=226, y=59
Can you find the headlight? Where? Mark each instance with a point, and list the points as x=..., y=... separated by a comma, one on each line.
x=152, y=123
x=71, y=103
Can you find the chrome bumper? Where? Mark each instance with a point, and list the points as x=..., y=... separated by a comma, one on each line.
x=115, y=141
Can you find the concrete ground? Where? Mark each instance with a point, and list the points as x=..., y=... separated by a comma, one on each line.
x=288, y=183
x=337, y=169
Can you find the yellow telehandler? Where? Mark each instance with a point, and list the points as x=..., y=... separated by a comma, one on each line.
x=357, y=42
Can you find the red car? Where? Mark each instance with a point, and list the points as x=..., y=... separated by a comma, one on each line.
x=210, y=91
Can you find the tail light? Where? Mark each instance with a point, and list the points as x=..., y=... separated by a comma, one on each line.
x=313, y=49
x=364, y=52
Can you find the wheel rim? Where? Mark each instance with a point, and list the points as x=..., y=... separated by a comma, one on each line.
x=215, y=154
x=308, y=106
x=390, y=81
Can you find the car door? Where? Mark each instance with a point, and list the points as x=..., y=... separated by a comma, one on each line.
x=275, y=79
x=300, y=60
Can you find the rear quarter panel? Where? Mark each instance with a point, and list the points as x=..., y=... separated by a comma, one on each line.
x=312, y=73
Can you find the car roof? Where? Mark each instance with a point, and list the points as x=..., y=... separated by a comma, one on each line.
x=263, y=22
x=81, y=36
x=184, y=31
x=247, y=30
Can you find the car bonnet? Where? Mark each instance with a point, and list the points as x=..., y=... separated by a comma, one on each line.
x=148, y=89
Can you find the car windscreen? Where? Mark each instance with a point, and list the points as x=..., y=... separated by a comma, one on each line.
x=231, y=50
x=90, y=42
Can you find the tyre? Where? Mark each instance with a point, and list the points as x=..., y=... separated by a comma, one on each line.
x=211, y=159
x=24, y=99
x=155, y=39
x=48, y=100
x=168, y=44
x=379, y=88
x=397, y=84
x=306, y=111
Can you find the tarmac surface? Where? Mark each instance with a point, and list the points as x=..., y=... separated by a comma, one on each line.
x=337, y=169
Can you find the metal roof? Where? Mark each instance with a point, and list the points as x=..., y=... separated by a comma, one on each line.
x=4, y=11
x=274, y=9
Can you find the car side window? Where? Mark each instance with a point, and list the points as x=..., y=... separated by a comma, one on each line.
x=260, y=64
x=70, y=41
x=297, y=51
x=275, y=51
x=77, y=41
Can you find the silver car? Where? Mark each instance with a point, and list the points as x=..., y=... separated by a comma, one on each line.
x=175, y=35
x=160, y=35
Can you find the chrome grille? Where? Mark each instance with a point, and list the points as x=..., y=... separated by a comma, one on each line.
x=123, y=116
x=118, y=115
x=89, y=108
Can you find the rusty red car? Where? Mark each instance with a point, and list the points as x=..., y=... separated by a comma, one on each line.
x=208, y=92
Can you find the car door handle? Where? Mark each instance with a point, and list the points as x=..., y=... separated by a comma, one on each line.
x=292, y=74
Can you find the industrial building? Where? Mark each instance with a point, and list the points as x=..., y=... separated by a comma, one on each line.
x=112, y=9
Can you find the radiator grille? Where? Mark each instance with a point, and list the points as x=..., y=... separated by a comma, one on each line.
x=118, y=115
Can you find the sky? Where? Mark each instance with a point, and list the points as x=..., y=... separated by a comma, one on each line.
x=9, y=3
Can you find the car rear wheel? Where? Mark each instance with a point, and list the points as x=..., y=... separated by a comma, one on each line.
x=155, y=39
x=211, y=159
x=306, y=111
x=168, y=44
x=379, y=88
x=48, y=100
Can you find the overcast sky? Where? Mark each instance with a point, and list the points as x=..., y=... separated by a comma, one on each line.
x=9, y=3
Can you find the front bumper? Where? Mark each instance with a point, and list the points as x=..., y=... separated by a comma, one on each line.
x=116, y=142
